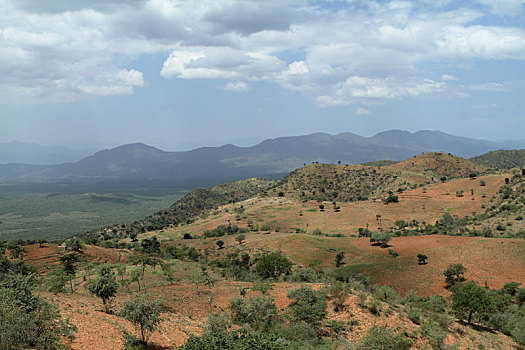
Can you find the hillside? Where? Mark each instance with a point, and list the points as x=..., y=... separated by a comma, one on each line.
x=502, y=159
x=189, y=206
x=272, y=157
x=299, y=272
x=343, y=183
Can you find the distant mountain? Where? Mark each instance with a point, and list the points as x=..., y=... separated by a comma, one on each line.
x=30, y=153
x=275, y=156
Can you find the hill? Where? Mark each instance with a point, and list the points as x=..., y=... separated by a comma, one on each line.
x=502, y=159
x=343, y=183
x=302, y=272
x=269, y=158
x=189, y=206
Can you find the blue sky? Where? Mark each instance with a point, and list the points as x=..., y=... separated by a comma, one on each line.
x=182, y=74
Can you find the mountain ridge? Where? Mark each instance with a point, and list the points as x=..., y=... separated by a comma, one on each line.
x=267, y=158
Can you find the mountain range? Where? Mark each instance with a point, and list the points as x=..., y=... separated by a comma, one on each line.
x=271, y=157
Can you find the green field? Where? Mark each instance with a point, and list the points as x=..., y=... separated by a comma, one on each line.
x=56, y=216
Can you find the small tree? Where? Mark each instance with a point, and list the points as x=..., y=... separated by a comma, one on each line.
x=321, y=207
x=41, y=242
x=339, y=259
x=380, y=237
x=308, y=305
x=482, y=183
x=74, y=245
x=454, y=274
x=69, y=265
x=240, y=238
x=469, y=298
x=273, y=265
x=144, y=314
x=105, y=287
x=421, y=259
x=143, y=260
x=220, y=243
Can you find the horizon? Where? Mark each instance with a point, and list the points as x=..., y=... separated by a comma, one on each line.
x=182, y=74
x=244, y=143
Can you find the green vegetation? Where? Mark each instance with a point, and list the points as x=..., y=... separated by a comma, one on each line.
x=58, y=216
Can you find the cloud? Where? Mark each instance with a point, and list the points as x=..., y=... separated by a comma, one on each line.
x=363, y=111
x=449, y=77
x=495, y=87
x=362, y=51
x=237, y=86
x=504, y=7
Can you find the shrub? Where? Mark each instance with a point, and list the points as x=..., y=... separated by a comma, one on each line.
x=143, y=313
x=259, y=312
x=384, y=338
x=236, y=340
x=469, y=298
x=454, y=274
x=273, y=265
x=392, y=199
x=308, y=305
x=105, y=287
x=421, y=259
x=380, y=237
x=386, y=294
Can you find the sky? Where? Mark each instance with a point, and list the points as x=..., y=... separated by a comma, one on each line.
x=180, y=74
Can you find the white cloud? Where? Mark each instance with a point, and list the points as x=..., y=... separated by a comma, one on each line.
x=363, y=111
x=381, y=50
x=496, y=87
x=237, y=86
x=449, y=77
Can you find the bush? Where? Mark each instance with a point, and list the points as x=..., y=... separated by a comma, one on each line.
x=380, y=237
x=454, y=274
x=384, y=338
x=386, y=294
x=468, y=299
x=303, y=275
x=259, y=312
x=273, y=265
x=308, y=305
x=392, y=199
x=105, y=287
x=143, y=313
x=236, y=340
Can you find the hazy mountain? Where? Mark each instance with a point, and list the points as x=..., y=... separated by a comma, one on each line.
x=275, y=156
x=30, y=153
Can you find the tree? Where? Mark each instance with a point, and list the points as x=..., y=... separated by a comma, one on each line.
x=105, y=287
x=26, y=321
x=482, y=183
x=469, y=298
x=384, y=338
x=41, y=242
x=74, y=245
x=273, y=265
x=321, y=207
x=308, y=305
x=144, y=314
x=421, y=259
x=339, y=259
x=454, y=274
x=259, y=312
x=380, y=237
x=240, y=238
x=143, y=260
x=220, y=243
x=69, y=265
x=392, y=199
